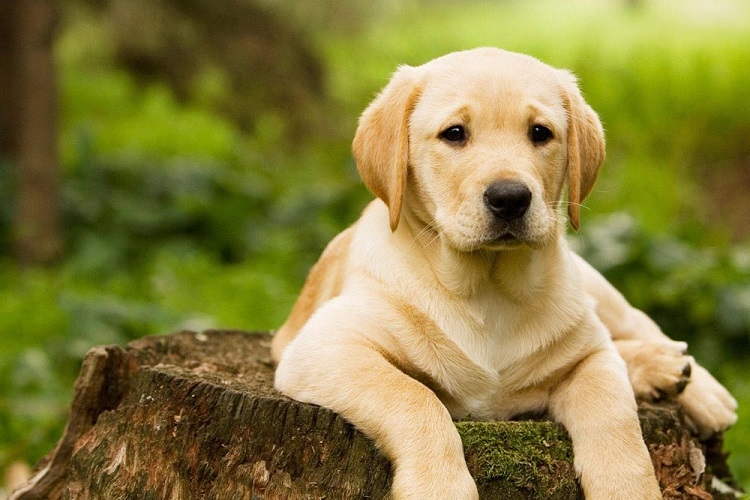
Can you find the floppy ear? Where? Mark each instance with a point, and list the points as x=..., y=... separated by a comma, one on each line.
x=586, y=149
x=381, y=143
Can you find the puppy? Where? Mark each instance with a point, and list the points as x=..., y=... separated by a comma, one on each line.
x=455, y=293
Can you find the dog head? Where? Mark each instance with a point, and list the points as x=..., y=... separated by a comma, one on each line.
x=479, y=145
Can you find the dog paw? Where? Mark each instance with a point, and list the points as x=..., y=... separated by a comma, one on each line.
x=657, y=369
x=709, y=408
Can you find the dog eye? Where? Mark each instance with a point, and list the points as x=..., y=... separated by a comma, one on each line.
x=540, y=134
x=454, y=133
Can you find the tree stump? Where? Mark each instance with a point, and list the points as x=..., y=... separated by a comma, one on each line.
x=195, y=415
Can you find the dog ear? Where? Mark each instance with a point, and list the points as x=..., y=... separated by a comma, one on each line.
x=381, y=143
x=586, y=149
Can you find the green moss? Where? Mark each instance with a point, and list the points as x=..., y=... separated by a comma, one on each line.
x=535, y=459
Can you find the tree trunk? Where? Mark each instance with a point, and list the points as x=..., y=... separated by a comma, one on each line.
x=37, y=238
x=195, y=415
x=8, y=75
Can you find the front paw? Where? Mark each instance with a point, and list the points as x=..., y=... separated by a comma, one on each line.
x=428, y=482
x=657, y=369
x=709, y=408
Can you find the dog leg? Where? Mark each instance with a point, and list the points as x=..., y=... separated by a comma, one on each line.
x=597, y=407
x=709, y=407
x=405, y=419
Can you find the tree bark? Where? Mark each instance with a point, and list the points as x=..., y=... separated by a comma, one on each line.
x=37, y=238
x=8, y=75
x=195, y=415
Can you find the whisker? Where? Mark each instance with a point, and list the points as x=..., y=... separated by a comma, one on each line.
x=565, y=203
x=429, y=227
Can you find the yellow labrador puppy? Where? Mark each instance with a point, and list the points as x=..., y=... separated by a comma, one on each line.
x=455, y=294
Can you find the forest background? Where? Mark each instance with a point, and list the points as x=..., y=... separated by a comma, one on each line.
x=200, y=161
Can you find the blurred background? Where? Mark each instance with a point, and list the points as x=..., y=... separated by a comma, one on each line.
x=168, y=164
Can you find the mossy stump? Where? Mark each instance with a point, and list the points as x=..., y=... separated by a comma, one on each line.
x=195, y=415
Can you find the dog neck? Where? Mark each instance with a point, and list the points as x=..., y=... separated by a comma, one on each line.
x=518, y=274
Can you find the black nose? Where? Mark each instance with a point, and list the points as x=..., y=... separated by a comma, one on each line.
x=508, y=200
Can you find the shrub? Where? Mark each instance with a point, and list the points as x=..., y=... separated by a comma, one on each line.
x=695, y=293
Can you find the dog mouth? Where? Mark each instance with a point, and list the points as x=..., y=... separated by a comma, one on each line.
x=494, y=235
x=505, y=240
x=506, y=237
x=513, y=236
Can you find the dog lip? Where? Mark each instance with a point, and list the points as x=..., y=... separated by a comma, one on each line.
x=506, y=239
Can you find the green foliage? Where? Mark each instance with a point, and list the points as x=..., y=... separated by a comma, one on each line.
x=176, y=219
x=697, y=294
x=104, y=112
x=737, y=439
